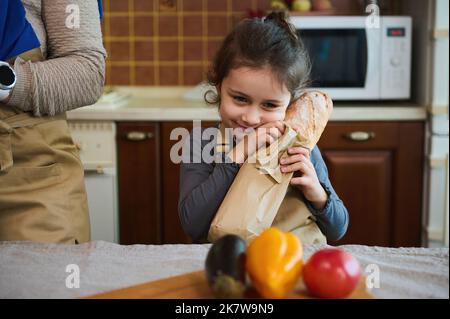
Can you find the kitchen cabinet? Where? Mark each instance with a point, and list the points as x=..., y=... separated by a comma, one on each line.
x=172, y=233
x=139, y=174
x=149, y=183
x=375, y=167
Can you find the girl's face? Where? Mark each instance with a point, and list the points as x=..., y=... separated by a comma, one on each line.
x=252, y=97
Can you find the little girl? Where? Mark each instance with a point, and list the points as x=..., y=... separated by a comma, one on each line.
x=260, y=69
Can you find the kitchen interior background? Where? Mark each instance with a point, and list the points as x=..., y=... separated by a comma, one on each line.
x=171, y=42
x=156, y=45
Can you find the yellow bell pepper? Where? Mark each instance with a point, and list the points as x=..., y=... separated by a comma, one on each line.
x=274, y=262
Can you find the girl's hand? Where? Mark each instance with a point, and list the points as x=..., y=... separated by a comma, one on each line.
x=255, y=139
x=305, y=177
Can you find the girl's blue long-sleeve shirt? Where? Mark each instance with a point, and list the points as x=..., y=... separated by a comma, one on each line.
x=204, y=184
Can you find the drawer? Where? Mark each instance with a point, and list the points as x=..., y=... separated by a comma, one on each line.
x=136, y=132
x=361, y=135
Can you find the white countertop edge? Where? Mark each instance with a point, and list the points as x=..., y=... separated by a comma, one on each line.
x=379, y=114
x=145, y=114
x=189, y=114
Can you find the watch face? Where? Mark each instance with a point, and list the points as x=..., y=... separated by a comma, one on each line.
x=7, y=77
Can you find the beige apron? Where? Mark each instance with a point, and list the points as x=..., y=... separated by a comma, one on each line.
x=42, y=192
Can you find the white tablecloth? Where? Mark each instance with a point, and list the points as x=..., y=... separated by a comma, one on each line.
x=34, y=270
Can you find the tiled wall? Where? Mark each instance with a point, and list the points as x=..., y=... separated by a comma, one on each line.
x=167, y=42
x=171, y=42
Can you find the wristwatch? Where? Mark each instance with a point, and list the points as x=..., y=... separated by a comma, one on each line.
x=7, y=80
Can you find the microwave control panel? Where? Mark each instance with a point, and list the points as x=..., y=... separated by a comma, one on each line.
x=395, y=57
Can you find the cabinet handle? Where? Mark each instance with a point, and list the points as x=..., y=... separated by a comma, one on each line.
x=139, y=136
x=360, y=136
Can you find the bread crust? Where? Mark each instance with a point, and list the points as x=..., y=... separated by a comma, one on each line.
x=309, y=114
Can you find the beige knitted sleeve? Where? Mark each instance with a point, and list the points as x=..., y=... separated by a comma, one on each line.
x=73, y=74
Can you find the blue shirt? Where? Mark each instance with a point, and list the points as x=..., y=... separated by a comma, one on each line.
x=16, y=34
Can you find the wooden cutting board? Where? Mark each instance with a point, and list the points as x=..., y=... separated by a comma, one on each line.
x=194, y=286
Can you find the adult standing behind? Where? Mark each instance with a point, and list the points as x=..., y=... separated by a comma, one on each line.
x=48, y=65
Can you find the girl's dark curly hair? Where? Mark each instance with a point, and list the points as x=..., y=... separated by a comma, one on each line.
x=257, y=43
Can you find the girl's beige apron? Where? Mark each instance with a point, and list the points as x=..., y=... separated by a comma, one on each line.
x=42, y=193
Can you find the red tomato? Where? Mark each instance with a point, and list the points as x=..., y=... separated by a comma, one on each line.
x=331, y=273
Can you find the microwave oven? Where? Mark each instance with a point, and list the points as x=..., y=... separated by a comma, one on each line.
x=354, y=61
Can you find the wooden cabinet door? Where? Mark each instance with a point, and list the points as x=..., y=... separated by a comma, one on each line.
x=379, y=179
x=139, y=183
x=362, y=180
x=172, y=232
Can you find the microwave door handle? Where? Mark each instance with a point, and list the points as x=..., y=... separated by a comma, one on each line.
x=373, y=57
x=365, y=56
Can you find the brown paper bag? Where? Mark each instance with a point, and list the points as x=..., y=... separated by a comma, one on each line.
x=261, y=195
x=293, y=216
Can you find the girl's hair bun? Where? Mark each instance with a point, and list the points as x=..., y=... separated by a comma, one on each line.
x=260, y=42
x=280, y=18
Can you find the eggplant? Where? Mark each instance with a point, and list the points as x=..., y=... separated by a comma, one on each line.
x=225, y=267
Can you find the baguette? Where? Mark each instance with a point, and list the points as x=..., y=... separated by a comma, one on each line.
x=309, y=115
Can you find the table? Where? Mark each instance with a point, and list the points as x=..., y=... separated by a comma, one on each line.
x=38, y=270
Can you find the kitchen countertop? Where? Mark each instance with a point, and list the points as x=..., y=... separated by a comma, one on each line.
x=168, y=104
x=38, y=270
